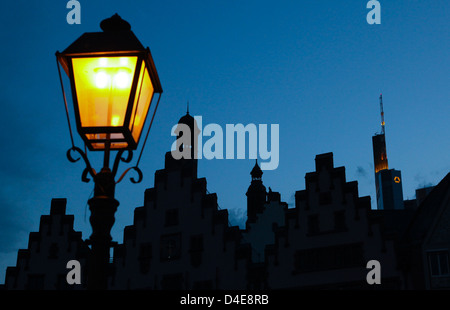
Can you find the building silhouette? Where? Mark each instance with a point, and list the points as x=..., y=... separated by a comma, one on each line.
x=181, y=239
x=43, y=264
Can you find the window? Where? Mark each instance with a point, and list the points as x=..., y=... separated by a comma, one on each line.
x=196, y=243
x=53, y=251
x=196, y=249
x=145, y=256
x=325, y=198
x=313, y=224
x=339, y=221
x=171, y=217
x=170, y=247
x=438, y=262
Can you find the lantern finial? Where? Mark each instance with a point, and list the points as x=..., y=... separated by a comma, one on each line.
x=115, y=24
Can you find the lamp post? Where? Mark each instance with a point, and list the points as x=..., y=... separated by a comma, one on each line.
x=113, y=81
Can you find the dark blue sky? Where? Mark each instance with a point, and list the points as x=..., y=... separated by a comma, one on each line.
x=316, y=68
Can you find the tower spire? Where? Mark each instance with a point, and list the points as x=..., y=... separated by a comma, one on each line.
x=187, y=108
x=256, y=195
x=256, y=172
x=379, y=145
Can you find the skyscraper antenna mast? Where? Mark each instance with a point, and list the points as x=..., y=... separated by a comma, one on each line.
x=382, y=114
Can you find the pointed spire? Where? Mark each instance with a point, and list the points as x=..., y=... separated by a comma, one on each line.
x=193, y=133
x=382, y=114
x=256, y=172
x=256, y=195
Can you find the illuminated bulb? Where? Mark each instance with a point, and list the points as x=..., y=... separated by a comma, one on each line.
x=103, y=61
x=101, y=79
x=115, y=120
x=121, y=79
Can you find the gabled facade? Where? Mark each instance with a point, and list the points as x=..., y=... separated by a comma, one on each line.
x=43, y=264
x=329, y=237
x=180, y=239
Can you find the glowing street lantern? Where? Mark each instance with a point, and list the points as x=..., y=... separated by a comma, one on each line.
x=113, y=81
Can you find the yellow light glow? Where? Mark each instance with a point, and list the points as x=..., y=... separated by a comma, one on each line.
x=122, y=78
x=141, y=102
x=101, y=79
x=103, y=87
x=103, y=61
x=104, y=96
x=124, y=61
x=115, y=120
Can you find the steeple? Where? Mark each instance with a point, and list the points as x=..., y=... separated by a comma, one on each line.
x=191, y=139
x=185, y=155
x=256, y=194
x=256, y=172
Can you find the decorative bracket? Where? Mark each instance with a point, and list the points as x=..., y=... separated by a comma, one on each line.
x=88, y=168
x=119, y=157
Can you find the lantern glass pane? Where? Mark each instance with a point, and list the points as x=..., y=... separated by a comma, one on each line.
x=144, y=94
x=103, y=86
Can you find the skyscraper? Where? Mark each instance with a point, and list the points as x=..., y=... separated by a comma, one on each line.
x=388, y=182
